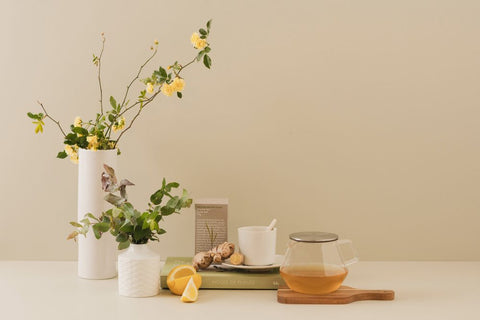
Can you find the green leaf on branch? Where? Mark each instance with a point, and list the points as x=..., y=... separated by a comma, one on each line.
x=62, y=155
x=124, y=245
x=163, y=72
x=157, y=197
x=113, y=102
x=171, y=185
x=207, y=61
x=76, y=224
x=166, y=211
x=80, y=130
x=122, y=237
x=96, y=231
x=103, y=226
x=179, y=95
x=209, y=23
x=200, y=55
x=114, y=199
x=203, y=32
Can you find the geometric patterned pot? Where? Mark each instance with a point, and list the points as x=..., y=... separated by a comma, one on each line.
x=138, y=272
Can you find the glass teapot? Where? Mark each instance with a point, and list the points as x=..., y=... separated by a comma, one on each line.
x=315, y=262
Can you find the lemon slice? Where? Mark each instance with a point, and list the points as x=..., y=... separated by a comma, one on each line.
x=191, y=292
x=179, y=276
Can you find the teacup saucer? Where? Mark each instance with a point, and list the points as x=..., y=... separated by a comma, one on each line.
x=276, y=264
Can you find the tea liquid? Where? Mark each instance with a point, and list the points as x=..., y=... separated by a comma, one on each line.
x=314, y=278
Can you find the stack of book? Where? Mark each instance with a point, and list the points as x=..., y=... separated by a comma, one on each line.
x=219, y=278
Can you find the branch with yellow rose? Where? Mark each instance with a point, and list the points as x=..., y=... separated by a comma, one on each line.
x=97, y=134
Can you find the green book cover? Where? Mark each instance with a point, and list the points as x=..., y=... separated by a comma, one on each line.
x=216, y=278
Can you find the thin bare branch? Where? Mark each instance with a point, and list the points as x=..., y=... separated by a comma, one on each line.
x=49, y=117
x=138, y=75
x=99, y=73
x=136, y=116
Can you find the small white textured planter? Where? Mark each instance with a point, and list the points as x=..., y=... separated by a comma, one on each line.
x=138, y=272
x=96, y=258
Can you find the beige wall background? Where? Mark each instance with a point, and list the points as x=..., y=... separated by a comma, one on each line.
x=355, y=117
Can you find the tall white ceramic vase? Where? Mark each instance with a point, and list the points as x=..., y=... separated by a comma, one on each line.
x=138, y=272
x=96, y=258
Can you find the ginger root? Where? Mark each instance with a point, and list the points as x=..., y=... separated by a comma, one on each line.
x=236, y=258
x=216, y=255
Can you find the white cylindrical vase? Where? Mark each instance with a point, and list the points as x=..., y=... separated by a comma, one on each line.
x=96, y=258
x=138, y=272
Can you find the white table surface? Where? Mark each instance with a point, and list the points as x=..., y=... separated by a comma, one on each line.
x=424, y=290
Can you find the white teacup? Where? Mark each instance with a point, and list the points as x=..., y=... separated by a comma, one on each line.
x=257, y=244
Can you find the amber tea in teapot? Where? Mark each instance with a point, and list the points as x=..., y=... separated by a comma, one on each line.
x=315, y=262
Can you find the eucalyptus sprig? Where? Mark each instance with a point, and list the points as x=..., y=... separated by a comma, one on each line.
x=110, y=124
x=124, y=222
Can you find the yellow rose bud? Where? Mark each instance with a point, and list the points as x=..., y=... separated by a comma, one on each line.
x=150, y=88
x=178, y=84
x=167, y=89
x=156, y=42
x=77, y=122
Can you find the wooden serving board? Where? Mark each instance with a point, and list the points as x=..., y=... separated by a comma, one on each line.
x=343, y=295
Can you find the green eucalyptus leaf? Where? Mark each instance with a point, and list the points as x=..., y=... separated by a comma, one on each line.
x=157, y=197
x=166, y=211
x=171, y=185
x=96, y=231
x=114, y=199
x=90, y=215
x=122, y=237
x=124, y=245
x=102, y=226
x=172, y=203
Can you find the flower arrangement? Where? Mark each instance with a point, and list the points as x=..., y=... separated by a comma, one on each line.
x=124, y=222
x=110, y=124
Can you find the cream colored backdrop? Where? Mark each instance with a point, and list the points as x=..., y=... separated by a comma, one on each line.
x=355, y=117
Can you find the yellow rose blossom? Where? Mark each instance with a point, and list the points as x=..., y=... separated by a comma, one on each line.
x=92, y=142
x=178, y=84
x=69, y=149
x=201, y=43
x=167, y=89
x=194, y=38
x=119, y=125
x=77, y=122
x=150, y=87
x=74, y=157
